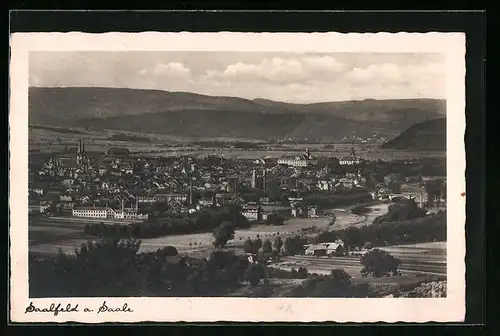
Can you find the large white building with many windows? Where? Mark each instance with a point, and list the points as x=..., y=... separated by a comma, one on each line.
x=107, y=212
x=299, y=161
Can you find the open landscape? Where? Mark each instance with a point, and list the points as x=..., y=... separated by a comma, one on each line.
x=294, y=186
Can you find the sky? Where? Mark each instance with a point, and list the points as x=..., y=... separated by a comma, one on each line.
x=287, y=77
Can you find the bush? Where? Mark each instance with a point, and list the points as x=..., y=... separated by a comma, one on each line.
x=423, y=229
x=379, y=263
x=267, y=247
x=302, y=272
x=295, y=245
x=248, y=246
x=254, y=274
x=277, y=244
x=168, y=251
x=167, y=223
x=275, y=219
x=223, y=234
x=338, y=284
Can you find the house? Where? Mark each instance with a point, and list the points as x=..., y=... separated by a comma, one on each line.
x=206, y=201
x=293, y=162
x=171, y=197
x=312, y=212
x=35, y=209
x=325, y=249
x=283, y=211
x=65, y=198
x=315, y=250
x=252, y=212
x=300, y=161
x=36, y=190
x=335, y=249
x=349, y=161
x=91, y=212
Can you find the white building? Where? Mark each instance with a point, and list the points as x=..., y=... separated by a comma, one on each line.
x=107, y=212
x=299, y=161
x=91, y=212
x=252, y=212
x=349, y=160
x=293, y=162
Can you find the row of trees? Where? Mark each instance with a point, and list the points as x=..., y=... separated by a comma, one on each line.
x=337, y=284
x=402, y=210
x=115, y=268
x=423, y=229
x=205, y=220
x=255, y=246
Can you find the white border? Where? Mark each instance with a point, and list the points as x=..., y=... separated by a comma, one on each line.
x=450, y=309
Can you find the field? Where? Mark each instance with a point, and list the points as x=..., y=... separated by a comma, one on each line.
x=163, y=145
x=48, y=235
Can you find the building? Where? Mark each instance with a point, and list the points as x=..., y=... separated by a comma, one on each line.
x=91, y=212
x=300, y=161
x=35, y=209
x=258, y=179
x=349, y=160
x=81, y=156
x=312, y=212
x=107, y=212
x=325, y=249
x=284, y=211
x=162, y=198
x=293, y=162
x=206, y=201
x=252, y=212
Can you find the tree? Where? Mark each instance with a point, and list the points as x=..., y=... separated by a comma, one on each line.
x=168, y=251
x=275, y=219
x=379, y=263
x=302, y=272
x=368, y=245
x=278, y=244
x=254, y=274
x=267, y=247
x=433, y=190
x=257, y=244
x=248, y=246
x=223, y=234
x=294, y=245
x=353, y=237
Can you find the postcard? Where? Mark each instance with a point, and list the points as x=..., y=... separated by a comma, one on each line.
x=245, y=177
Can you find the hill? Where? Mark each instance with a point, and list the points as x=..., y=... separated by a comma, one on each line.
x=189, y=114
x=425, y=136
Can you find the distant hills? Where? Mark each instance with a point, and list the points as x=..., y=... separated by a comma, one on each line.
x=429, y=135
x=195, y=115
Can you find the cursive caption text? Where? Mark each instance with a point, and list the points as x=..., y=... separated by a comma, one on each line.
x=69, y=308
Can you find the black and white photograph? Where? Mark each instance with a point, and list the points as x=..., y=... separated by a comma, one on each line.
x=239, y=173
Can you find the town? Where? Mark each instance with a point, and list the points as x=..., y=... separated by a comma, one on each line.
x=285, y=213
x=120, y=186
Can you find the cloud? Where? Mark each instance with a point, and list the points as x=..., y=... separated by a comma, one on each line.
x=393, y=73
x=279, y=70
x=273, y=70
x=172, y=69
x=323, y=64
